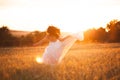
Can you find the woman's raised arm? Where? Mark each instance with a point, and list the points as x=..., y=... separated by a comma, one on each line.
x=41, y=41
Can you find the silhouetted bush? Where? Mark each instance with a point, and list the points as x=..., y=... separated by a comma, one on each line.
x=113, y=28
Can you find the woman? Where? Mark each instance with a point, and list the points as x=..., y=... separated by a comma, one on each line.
x=57, y=47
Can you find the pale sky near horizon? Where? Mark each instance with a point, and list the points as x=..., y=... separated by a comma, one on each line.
x=68, y=15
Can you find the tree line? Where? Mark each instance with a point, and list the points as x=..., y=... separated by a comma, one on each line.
x=8, y=39
x=109, y=34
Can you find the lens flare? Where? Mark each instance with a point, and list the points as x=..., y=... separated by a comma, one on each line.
x=39, y=60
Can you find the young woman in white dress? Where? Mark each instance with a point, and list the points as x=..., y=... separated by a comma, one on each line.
x=58, y=46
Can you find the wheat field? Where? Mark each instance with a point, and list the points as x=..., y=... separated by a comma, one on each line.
x=83, y=62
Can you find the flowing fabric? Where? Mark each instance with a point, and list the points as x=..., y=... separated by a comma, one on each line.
x=66, y=45
x=56, y=51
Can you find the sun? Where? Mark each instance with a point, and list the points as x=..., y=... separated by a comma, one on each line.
x=39, y=60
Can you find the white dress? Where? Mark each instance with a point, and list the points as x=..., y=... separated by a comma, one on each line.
x=52, y=53
x=55, y=51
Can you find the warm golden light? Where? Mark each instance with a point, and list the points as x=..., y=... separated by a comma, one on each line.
x=69, y=16
x=39, y=60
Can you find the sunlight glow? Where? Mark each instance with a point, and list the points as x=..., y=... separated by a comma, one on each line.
x=39, y=60
x=68, y=15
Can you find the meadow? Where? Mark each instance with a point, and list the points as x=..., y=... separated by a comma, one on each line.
x=90, y=61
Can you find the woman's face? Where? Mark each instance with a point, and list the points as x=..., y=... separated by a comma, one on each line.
x=51, y=38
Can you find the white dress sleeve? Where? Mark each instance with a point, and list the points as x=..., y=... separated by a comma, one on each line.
x=67, y=44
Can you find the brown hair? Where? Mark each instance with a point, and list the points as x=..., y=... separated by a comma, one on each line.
x=53, y=31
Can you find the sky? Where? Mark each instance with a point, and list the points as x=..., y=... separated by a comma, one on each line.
x=68, y=15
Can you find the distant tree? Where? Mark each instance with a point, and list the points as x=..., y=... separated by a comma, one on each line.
x=6, y=38
x=90, y=35
x=113, y=28
x=4, y=32
x=31, y=38
x=101, y=35
x=28, y=40
x=118, y=25
x=38, y=35
x=95, y=35
x=111, y=25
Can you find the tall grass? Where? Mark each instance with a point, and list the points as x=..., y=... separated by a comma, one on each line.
x=82, y=62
